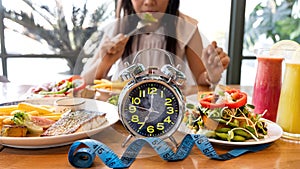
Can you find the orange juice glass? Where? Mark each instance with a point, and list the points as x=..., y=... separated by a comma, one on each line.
x=289, y=103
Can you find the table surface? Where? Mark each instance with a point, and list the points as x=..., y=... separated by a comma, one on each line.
x=281, y=154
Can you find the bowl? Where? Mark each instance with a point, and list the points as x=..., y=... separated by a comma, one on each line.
x=73, y=103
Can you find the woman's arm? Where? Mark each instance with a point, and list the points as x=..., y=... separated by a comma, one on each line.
x=107, y=54
x=110, y=51
x=196, y=67
x=206, y=64
x=193, y=53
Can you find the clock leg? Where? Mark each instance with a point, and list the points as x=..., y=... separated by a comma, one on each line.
x=174, y=141
x=126, y=140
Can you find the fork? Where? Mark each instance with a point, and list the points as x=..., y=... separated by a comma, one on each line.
x=147, y=20
x=141, y=24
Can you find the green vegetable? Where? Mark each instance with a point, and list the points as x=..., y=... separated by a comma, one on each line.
x=238, y=138
x=67, y=85
x=251, y=106
x=23, y=119
x=251, y=129
x=223, y=130
x=226, y=122
x=236, y=122
x=56, y=92
x=148, y=17
x=222, y=136
x=262, y=128
x=210, y=134
x=200, y=123
x=20, y=117
x=190, y=106
x=241, y=132
x=113, y=100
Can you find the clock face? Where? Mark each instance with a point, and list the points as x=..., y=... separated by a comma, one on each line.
x=151, y=109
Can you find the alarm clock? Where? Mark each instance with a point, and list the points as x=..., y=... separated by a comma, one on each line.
x=151, y=104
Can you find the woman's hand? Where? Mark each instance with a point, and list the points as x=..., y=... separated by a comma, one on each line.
x=223, y=56
x=213, y=64
x=112, y=49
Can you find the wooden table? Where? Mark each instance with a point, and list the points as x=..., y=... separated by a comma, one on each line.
x=281, y=154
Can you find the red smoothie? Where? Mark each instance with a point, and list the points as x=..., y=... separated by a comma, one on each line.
x=267, y=86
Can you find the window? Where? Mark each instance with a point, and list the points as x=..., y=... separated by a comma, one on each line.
x=221, y=22
x=44, y=38
x=213, y=20
x=267, y=22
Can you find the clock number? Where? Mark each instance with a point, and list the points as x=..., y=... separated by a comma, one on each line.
x=152, y=90
x=170, y=110
x=161, y=94
x=142, y=125
x=135, y=118
x=160, y=126
x=150, y=129
x=168, y=119
x=135, y=100
x=142, y=93
x=132, y=109
x=168, y=102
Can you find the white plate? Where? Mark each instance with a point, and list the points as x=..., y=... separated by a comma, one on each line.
x=274, y=131
x=111, y=92
x=54, y=141
x=193, y=99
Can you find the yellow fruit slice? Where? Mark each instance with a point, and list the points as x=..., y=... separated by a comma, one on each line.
x=285, y=45
x=296, y=55
x=283, y=48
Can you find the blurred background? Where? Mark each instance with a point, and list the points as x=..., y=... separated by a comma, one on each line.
x=41, y=40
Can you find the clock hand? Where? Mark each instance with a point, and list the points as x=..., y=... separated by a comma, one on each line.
x=151, y=105
x=147, y=117
x=151, y=102
x=157, y=112
x=150, y=110
x=141, y=108
x=145, y=120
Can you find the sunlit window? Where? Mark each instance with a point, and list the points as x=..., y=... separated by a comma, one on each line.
x=267, y=22
x=52, y=27
x=213, y=21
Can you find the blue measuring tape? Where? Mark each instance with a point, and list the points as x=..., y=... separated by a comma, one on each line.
x=84, y=157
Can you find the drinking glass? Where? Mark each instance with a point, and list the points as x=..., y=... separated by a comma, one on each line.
x=289, y=103
x=267, y=84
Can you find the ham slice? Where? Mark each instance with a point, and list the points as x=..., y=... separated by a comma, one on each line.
x=42, y=122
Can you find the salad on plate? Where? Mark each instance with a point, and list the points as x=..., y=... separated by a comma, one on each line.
x=225, y=115
x=62, y=88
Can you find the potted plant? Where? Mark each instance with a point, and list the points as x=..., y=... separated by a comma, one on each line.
x=275, y=20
